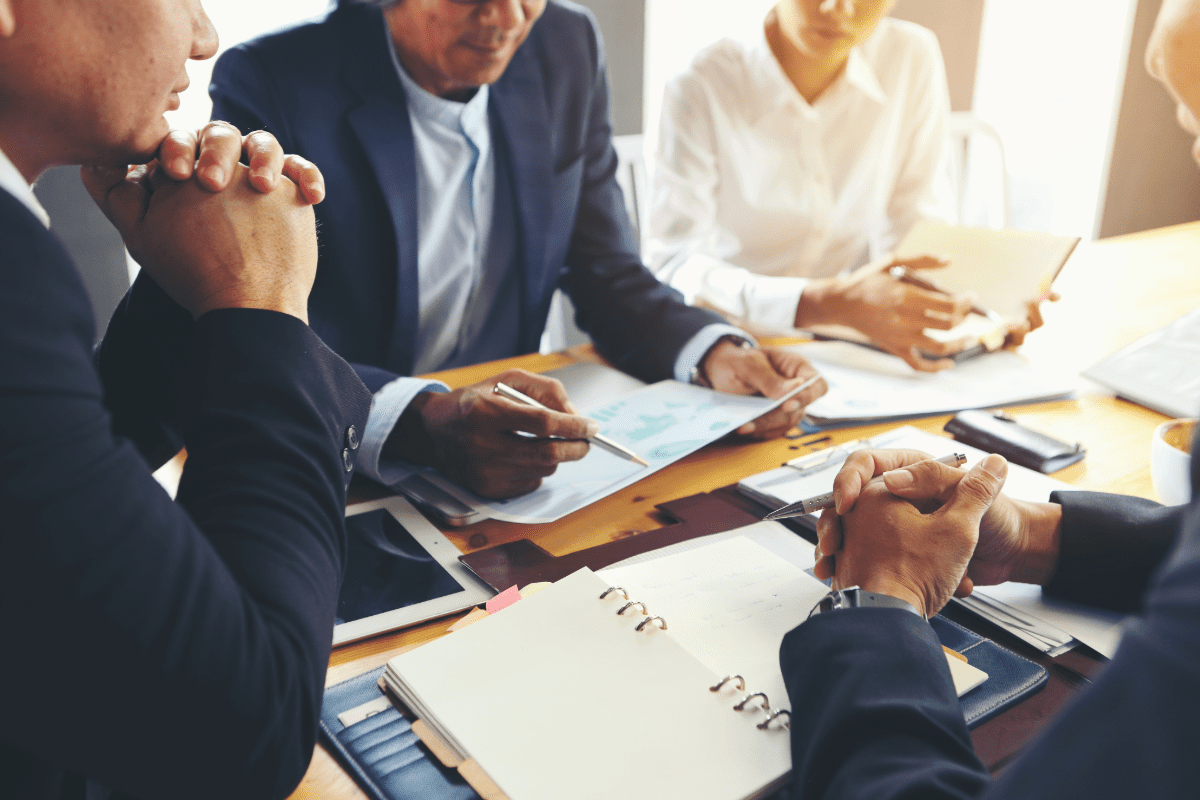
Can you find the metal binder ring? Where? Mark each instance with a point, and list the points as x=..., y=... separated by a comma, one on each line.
x=630, y=605
x=766, y=704
x=616, y=589
x=779, y=712
x=662, y=623
x=741, y=683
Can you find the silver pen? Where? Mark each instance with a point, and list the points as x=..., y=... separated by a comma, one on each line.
x=823, y=501
x=599, y=439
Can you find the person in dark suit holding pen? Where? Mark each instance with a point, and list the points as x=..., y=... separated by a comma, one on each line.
x=151, y=647
x=468, y=148
x=876, y=721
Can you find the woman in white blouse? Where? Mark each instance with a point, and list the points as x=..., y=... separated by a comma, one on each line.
x=784, y=164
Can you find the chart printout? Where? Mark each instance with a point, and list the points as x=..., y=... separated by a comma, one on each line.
x=662, y=423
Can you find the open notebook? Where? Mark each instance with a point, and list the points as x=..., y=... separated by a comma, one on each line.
x=561, y=696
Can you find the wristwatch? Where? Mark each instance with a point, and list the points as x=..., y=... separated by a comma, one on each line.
x=698, y=376
x=857, y=597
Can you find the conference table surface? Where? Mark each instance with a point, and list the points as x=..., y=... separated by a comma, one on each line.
x=1113, y=292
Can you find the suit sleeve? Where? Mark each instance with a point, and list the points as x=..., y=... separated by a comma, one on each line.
x=1110, y=547
x=874, y=713
x=638, y=323
x=169, y=648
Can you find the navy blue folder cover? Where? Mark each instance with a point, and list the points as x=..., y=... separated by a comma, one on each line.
x=390, y=763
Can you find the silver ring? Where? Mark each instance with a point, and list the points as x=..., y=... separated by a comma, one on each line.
x=631, y=604
x=662, y=623
x=766, y=704
x=741, y=683
x=766, y=724
x=612, y=589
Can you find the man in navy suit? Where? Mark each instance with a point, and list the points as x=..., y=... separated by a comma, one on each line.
x=151, y=647
x=874, y=709
x=468, y=149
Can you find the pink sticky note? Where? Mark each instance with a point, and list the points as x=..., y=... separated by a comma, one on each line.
x=503, y=600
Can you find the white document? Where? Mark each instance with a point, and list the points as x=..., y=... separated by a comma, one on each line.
x=731, y=603
x=1097, y=628
x=662, y=423
x=1160, y=371
x=865, y=384
x=559, y=697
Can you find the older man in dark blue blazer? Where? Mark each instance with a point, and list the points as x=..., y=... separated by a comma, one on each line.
x=468, y=149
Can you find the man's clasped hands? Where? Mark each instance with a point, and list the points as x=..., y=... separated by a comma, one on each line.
x=929, y=531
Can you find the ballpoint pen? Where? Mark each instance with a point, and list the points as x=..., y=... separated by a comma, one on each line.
x=906, y=275
x=823, y=501
x=599, y=439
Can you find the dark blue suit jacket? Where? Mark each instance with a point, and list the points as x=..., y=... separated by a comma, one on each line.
x=328, y=91
x=875, y=714
x=164, y=649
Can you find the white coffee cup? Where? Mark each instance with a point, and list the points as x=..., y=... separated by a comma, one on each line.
x=1170, y=461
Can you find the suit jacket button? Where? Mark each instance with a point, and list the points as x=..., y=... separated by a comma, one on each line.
x=352, y=440
x=348, y=460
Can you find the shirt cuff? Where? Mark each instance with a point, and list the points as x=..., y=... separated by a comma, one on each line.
x=697, y=347
x=386, y=407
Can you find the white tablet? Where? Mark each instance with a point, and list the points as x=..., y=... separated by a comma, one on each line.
x=400, y=570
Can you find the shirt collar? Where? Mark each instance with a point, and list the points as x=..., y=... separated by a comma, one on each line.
x=13, y=182
x=780, y=90
x=466, y=117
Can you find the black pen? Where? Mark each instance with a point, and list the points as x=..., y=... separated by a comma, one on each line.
x=823, y=501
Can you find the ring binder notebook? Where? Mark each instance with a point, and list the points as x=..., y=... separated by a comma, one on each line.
x=538, y=701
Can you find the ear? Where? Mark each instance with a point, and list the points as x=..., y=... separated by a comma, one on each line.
x=8, y=18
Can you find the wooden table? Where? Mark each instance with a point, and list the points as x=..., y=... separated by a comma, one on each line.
x=1114, y=291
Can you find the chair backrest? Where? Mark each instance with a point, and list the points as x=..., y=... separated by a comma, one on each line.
x=979, y=171
x=631, y=176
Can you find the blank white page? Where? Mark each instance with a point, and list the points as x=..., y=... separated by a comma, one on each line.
x=557, y=696
x=730, y=604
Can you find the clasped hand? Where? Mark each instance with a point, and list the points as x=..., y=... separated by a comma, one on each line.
x=212, y=232
x=927, y=532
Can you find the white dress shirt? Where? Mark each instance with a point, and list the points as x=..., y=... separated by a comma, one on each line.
x=756, y=190
x=13, y=182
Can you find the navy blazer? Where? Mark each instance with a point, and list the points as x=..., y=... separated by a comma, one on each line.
x=328, y=91
x=874, y=714
x=161, y=648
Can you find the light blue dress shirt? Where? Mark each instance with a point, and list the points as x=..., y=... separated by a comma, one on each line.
x=466, y=262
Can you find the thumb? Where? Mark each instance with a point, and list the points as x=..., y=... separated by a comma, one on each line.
x=123, y=201
x=978, y=489
x=760, y=375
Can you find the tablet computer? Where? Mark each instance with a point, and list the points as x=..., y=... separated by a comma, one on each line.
x=400, y=570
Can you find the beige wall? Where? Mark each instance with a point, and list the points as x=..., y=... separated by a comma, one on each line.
x=957, y=24
x=1152, y=179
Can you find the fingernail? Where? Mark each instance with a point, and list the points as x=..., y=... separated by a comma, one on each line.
x=747, y=428
x=899, y=479
x=592, y=429
x=215, y=174
x=995, y=466
x=316, y=190
x=181, y=166
x=261, y=173
x=791, y=405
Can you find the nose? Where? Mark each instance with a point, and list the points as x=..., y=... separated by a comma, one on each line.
x=503, y=14
x=843, y=8
x=204, y=36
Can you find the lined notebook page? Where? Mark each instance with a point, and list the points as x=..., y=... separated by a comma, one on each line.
x=558, y=696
